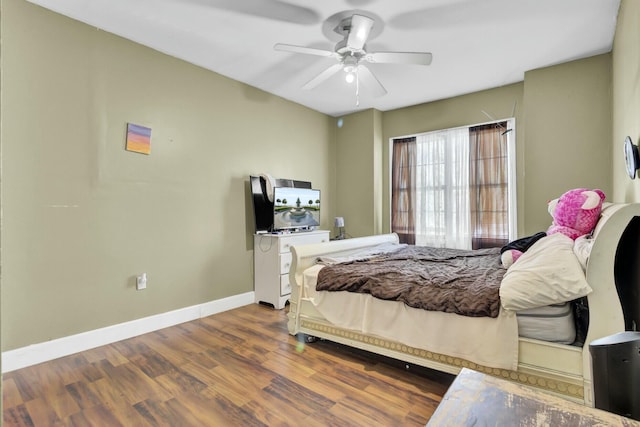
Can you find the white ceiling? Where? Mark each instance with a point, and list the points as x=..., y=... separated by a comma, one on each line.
x=476, y=44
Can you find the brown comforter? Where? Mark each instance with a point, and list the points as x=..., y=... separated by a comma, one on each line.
x=454, y=281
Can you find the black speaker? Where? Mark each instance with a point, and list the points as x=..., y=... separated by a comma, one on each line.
x=616, y=373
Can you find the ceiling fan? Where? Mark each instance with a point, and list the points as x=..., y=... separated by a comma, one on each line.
x=351, y=54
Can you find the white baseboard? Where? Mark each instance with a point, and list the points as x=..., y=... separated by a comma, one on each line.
x=45, y=351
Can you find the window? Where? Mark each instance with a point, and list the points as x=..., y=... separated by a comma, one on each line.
x=455, y=187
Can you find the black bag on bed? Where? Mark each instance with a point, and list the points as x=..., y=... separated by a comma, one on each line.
x=524, y=243
x=581, y=317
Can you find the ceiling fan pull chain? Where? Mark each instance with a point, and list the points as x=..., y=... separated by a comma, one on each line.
x=357, y=88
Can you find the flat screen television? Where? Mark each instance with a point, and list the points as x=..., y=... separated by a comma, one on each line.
x=295, y=208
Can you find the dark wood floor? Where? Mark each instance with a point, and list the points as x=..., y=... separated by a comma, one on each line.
x=240, y=367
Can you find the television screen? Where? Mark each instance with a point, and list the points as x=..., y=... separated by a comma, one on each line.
x=295, y=208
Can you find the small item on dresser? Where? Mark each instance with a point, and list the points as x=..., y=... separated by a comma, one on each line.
x=339, y=224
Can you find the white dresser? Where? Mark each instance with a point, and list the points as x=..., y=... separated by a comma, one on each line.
x=272, y=260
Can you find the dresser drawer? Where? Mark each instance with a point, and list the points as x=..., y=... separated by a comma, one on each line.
x=285, y=263
x=273, y=261
x=303, y=239
x=285, y=286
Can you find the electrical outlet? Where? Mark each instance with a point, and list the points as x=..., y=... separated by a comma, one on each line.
x=141, y=282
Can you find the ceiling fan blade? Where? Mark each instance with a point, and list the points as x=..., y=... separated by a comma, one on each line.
x=370, y=81
x=301, y=49
x=416, y=58
x=276, y=10
x=359, y=32
x=323, y=76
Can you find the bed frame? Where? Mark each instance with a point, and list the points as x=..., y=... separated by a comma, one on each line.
x=564, y=370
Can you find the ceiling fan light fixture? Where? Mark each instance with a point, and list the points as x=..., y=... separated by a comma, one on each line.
x=350, y=71
x=350, y=77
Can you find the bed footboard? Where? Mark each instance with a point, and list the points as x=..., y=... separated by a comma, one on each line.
x=305, y=256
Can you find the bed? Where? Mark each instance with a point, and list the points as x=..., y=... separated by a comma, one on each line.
x=449, y=342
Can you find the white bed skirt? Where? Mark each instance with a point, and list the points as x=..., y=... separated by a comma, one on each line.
x=486, y=341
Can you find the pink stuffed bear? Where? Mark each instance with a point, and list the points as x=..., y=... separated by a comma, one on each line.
x=575, y=214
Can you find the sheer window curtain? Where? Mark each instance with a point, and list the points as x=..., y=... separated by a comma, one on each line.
x=403, y=186
x=442, y=189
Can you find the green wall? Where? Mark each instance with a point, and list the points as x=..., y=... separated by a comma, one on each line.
x=359, y=172
x=626, y=97
x=567, y=129
x=82, y=216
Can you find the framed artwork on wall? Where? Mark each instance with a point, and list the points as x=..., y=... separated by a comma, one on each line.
x=138, y=139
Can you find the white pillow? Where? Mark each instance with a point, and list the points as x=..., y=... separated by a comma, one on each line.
x=548, y=273
x=582, y=249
